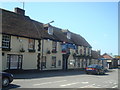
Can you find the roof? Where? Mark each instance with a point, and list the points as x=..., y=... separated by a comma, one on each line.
x=77, y=39
x=21, y=25
x=58, y=34
x=105, y=55
x=95, y=54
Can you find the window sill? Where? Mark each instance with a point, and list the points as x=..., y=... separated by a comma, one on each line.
x=54, y=51
x=31, y=50
x=6, y=49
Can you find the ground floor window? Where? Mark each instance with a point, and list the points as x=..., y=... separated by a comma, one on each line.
x=59, y=63
x=44, y=62
x=14, y=61
x=72, y=63
x=53, y=61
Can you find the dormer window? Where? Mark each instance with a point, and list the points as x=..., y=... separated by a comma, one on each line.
x=50, y=30
x=68, y=35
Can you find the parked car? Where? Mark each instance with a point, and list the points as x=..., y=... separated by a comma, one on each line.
x=6, y=78
x=95, y=69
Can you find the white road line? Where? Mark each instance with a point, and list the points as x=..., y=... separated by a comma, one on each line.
x=84, y=82
x=98, y=85
x=69, y=84
x=93, y=84
x=115, y=86
x=89, y=86
x=49, y=83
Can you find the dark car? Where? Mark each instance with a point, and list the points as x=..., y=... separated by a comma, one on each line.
x=6, y=78
x=95, y=69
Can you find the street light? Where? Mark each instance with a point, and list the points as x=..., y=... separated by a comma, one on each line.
x=51, y=22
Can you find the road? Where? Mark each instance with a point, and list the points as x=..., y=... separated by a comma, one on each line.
x=65, y=79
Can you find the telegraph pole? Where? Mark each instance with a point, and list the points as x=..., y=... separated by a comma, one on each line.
x=23, y=5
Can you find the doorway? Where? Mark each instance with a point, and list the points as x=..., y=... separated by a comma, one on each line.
x=14, y=61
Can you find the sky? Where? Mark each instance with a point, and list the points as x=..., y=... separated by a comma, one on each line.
x=97, y=22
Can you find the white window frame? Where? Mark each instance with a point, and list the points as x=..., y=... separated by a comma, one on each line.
x=53, y=63
x=6, y=41
x=33, y=44
x=50, y=30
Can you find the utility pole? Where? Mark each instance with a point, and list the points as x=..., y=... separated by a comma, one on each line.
x=23, y=5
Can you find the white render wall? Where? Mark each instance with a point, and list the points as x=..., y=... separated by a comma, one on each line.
x=48, y=46
x=29, y=58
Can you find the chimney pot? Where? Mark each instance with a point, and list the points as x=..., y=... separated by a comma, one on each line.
x=19, y=11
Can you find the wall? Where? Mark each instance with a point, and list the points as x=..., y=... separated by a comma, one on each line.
x=0, y=52
x=73, y=63
x=29, y=58
x=48, y=46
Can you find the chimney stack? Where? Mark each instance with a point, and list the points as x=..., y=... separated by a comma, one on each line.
x=19, y=11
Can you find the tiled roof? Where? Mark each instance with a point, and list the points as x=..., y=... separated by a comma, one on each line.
x=24, y=26
x=20, y=25
x=77, y=39
x=105, y=55
x=95, y=54
x=58, y=34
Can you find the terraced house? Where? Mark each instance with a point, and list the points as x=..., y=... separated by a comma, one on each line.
x=31, y=45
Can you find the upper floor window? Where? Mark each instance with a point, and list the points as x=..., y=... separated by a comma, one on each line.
x=6, y=41
x=88, y=51
x=50, y=30
x=81, y=51
x=54, y=46
x=84, y=50
x=76, y=49
x=31, y=44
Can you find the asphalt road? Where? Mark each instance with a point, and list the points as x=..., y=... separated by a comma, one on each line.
x=64, y=79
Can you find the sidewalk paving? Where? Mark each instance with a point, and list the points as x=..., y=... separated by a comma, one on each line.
x=42, y=74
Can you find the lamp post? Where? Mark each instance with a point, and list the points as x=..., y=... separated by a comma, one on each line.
x=43, y=47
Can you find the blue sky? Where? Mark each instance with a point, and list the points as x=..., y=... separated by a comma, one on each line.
x=97, y=22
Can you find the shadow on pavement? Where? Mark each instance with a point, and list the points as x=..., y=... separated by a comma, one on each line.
x=11, y=86
x=44, y=74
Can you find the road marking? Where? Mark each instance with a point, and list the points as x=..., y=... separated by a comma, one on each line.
x=98, y=85
x=69, y=84
x=49, y=83
x=89, y=86
x=84, y=82
x=93, y=84
x=115, y=86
